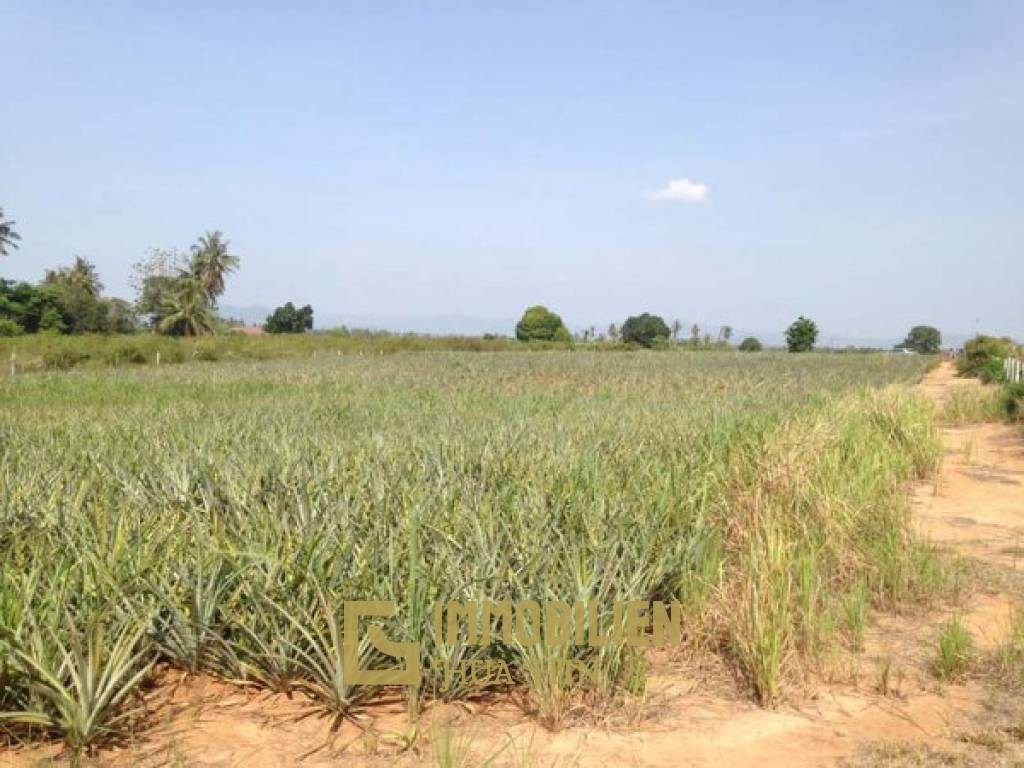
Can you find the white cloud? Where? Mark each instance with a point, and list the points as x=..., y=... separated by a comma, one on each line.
x=682, y=190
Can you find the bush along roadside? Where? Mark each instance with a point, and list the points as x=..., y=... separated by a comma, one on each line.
x=1013, y=401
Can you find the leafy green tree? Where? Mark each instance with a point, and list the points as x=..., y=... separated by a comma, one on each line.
x=993, y=372
x=541, y=324
x=158, y=263
x=801, y=335
x=179, y=296
x=155, y=296
x=750, y=344
x=32, y=307
x=288, y=319
x=51, y=321
x=186, y=310
x=923, y=339
x=77, y=291
x=8, y=237
x=82, y=311
x=211, y=263
x=154, y=279
x=9, y=328
x=65, y=304
x=645, y=330
x=120, y=317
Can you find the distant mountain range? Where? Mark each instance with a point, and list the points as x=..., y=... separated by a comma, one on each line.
x=471, y=325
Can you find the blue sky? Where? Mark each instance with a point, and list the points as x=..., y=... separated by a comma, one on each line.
x=861, y=163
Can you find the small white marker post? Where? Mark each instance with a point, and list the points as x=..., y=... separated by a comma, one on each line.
x=14, y=365
x=158, y=357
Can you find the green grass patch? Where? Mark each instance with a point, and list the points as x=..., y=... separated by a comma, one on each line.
x=955, y=651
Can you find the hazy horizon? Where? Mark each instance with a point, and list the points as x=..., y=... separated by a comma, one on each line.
x=722, y=165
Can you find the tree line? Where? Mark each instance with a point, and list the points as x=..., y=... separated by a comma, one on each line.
x=176, y=295
x=647, y=330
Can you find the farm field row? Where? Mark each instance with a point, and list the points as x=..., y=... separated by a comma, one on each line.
x=215, y=517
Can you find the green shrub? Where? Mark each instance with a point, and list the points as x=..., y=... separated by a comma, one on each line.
x=208, y=354
x=10, y=328
x=992, y=372
x=172, y=353
x=128, y=353
x=980, y=351
x=62, y=359
x=750, y=344
x=1013, y=400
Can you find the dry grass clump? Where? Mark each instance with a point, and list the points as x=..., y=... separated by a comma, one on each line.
x=973, y=405
x=817, y=531
x=1008, y=665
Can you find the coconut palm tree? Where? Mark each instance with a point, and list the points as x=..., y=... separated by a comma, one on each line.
x=8, y=237
x=187, y=309
x=81, y=275
x=211, y=263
